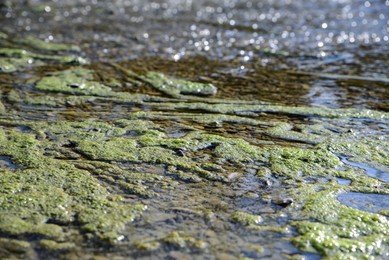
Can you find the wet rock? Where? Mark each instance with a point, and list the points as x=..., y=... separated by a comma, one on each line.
x=283, y=202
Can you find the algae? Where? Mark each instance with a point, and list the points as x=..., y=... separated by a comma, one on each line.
x=46, y=190
x=246, y=218
x=83, y=179
x=39, y=45
x=76, y=81
x=175, y=239
x=55, y=246
x=177, y=87
x=13, y=59
x=178, y=239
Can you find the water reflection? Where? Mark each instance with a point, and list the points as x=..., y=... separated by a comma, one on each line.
x=365, y=202
x=214, y=28
x=370, y=171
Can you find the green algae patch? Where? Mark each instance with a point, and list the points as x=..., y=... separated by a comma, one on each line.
x=108, y=225
x=284, y=131
x=175, y=239
x=44, y=191
x=295, y=162
x=180, y=240
x=2, y=108
x=14, y=59
x=372, y=151
x=246, y=218
x=56, y=246
x=87, y=178
x=178, y=87
x=14, y=245
x=45, y=100
x=76, y=81
x=41, y=45
x=249, y=108
x=339, y=228
x=148, y=245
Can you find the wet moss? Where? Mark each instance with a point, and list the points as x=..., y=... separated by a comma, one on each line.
x=284, y=131
x=52, y=245
x=40, y=45
x=76, y=177
x=14, y=59
x=175, y=239
x=46, y=190
x=76, y=81
x=177, y=87
x=2, y=108
x=231, y=108
x=45, y=100
x=13, y=225
x=14, y=245
x=178, y=239
x=295, y=162
x=283, y=230
x=246, y=218
x=339, y=228
x=372, y=151
x=148, y=245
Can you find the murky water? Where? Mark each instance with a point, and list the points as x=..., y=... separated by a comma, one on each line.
x=261, y=56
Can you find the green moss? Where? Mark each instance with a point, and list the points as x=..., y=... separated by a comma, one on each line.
x=175, y=239
x=231, y=108
x=283, y=230
x=373, y=150
x=2, y=108
x=47, y=46
x=177, y=87
x=339, y=228
x=56, y=246
x=14, y=59
x=108, y=225
x=13, y=225
x=246, y=218
x=178, y=239
x=77, y=81
x=3, y=35
x=384, y=212
x=296, y=162
x=13, y=245
x=216, y=119
x=76, y=176
x=284, y=131
x=49, y=190
x=148, y=245
x=45, y=100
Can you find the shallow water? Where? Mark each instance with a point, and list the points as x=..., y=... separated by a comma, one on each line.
x=367, y=202
x=371, y=171
x=317, y=54
x=245, y=43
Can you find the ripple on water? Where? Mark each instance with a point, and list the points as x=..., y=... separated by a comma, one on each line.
x=366, y=202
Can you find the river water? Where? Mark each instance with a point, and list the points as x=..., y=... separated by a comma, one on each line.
x=282, y=54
